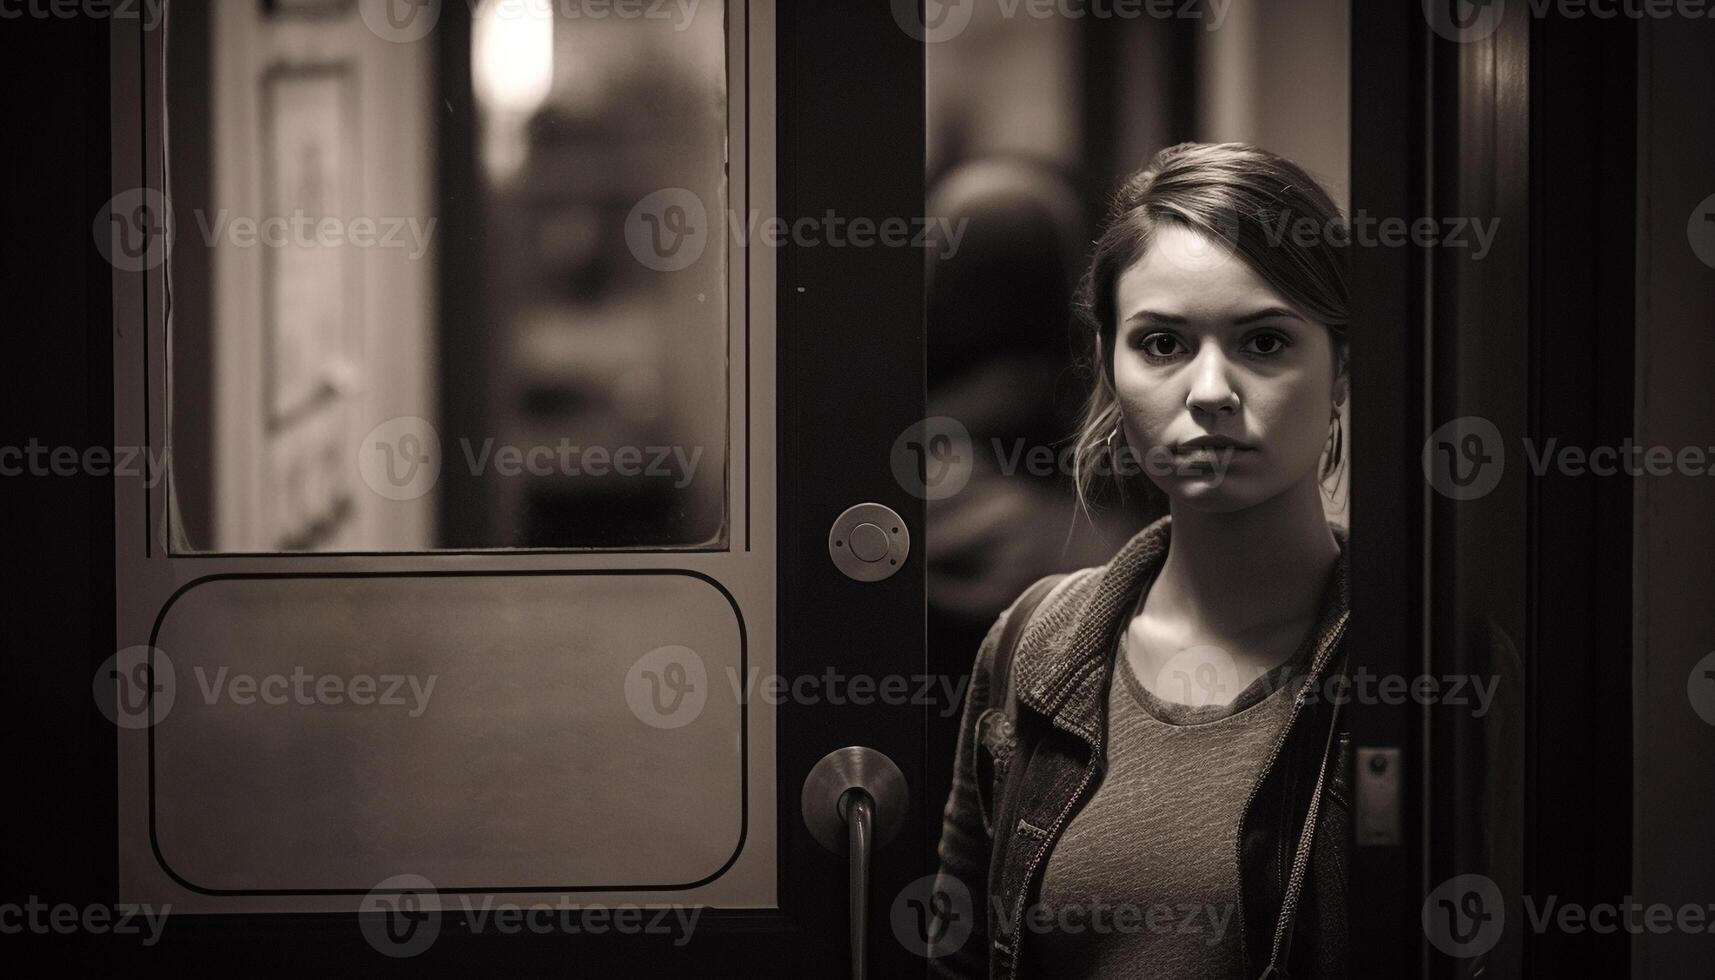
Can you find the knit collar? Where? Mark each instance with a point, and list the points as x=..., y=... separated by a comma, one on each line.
x=1065, y=654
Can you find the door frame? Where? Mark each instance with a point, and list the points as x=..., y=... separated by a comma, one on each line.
x=1533, y=125
x=1389, y=51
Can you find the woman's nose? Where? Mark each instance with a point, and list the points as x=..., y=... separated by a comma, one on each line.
x=1212, y=390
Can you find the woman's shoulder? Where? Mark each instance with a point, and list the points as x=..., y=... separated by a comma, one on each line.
x=1054, y=601
x=1097, y=590
x=1057, y=602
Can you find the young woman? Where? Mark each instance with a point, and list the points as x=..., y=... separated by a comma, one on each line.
x=1150, y=785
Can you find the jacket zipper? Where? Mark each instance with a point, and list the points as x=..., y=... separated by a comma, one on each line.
x=1262, y=776
x=1301, y=859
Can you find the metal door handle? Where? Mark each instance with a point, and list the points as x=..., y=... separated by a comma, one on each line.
x=854, y=800
x=859, y=811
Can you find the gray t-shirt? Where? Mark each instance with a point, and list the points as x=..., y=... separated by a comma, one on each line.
x=1143, y=882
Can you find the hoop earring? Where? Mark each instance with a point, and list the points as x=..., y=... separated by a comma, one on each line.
x=1335, y=444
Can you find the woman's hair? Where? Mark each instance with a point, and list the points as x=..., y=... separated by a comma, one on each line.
x=1265, y=208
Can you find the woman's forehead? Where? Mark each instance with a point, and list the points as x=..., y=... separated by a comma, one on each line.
x=1185, y=274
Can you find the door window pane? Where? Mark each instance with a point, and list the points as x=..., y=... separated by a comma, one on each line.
x=452, y=291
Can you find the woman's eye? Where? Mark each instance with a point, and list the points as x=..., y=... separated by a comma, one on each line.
x=1159, y=345
x=1271, y=343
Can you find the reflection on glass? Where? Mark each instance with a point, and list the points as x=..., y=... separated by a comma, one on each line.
x=464, y=292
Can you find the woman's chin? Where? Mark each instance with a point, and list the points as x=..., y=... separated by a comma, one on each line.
x=1209, y=493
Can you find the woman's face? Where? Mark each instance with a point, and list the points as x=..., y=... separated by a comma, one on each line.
x=1205, y=349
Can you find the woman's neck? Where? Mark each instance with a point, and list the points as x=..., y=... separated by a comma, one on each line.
x=1248, y=569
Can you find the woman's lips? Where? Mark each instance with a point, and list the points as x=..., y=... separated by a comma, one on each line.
x=1221, y=455
x=1184, y=450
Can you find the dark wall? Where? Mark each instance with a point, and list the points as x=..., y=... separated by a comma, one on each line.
x=56, y=292
x=1674, y=750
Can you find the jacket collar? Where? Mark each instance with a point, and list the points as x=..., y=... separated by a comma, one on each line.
x=1065, y=653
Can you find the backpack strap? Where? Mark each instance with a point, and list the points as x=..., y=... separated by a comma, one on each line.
x=1009, y=634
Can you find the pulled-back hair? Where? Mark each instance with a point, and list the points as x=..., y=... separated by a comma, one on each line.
x=1254, y=202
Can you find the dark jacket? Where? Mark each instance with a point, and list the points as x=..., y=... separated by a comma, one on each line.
x=1015, y=786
